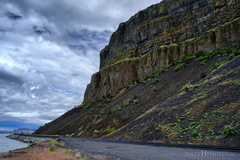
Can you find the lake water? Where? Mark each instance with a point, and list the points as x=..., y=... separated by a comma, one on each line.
x=7, y=144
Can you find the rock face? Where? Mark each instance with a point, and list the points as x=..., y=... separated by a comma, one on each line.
x=160, y=35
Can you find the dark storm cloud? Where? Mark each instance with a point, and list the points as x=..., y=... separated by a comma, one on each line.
x=13, y=16
x=41, y=30
x=10, y=78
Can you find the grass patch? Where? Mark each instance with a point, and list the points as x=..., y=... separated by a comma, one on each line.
x=179, y=67
x=69, y=135
x=62, y=144
x=153, y=75
x=136, y=101
x=110, y=130
x=227, y=131
x=68, y=151
x=119, y=108
x=126, y=103
x=95, y=132
x=155, y=81
x=52, y=148
x=187, y=87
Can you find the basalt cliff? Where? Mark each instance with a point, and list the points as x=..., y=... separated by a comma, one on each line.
x=169, y=74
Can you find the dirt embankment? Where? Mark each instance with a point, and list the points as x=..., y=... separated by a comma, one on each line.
x=51, y=150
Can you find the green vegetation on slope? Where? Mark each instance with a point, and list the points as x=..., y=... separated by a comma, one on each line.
x=197, y=107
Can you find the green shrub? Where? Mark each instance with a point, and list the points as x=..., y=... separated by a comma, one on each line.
x=192, y=119
x=179, y=66
x=224, y=72
x=110, y=130
x=126, y=103
x=68, y=136
x=169, y=65
x=95, y=133
x=120, y=90
x=90, y=111
x=52, y=147
x=194, y=134
x=149, y=80
x=136, y=101
x=205, y=57
x=233, y=55
x=203, y=62
x=188, y=86
x=154, y=75
x=62, y=143
x=103, y=112
x=182, y=117
x=108, y=100
x=216, y=65
x=144, y=83
x=186, y=59
x=68, y=151
x=211, y=131
x=155, y=81
x=119, y=108
x=227, y=132
x=81, y=128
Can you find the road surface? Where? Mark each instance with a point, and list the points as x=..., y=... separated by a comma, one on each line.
x=147, y=151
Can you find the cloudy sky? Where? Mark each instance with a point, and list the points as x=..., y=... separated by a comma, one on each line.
x=49, y=50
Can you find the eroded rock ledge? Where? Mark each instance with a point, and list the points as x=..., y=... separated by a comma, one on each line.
x=160, y=35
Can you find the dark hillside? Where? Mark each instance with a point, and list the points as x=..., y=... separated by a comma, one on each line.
x=206, y=113
x=201, y=98
x=169, y=74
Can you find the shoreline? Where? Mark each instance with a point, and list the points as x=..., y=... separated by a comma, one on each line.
x=47, y=148
x=28, y=139
x=50, y=150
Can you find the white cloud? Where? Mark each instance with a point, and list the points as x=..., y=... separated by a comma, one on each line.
x=49, y=50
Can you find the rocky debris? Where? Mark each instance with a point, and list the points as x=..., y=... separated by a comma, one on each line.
x=30, y=140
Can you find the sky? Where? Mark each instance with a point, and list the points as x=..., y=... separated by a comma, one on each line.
x=48, y=51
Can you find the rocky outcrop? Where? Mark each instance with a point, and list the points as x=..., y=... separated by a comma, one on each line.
x=160, y=35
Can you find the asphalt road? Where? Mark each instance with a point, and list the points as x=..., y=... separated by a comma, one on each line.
x=138, y=151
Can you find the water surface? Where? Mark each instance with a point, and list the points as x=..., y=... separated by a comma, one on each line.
x=7, y=144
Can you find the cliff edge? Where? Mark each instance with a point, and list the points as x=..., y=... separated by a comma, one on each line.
x=160, y=35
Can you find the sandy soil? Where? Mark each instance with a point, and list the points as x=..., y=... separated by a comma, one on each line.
x=42, y=151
